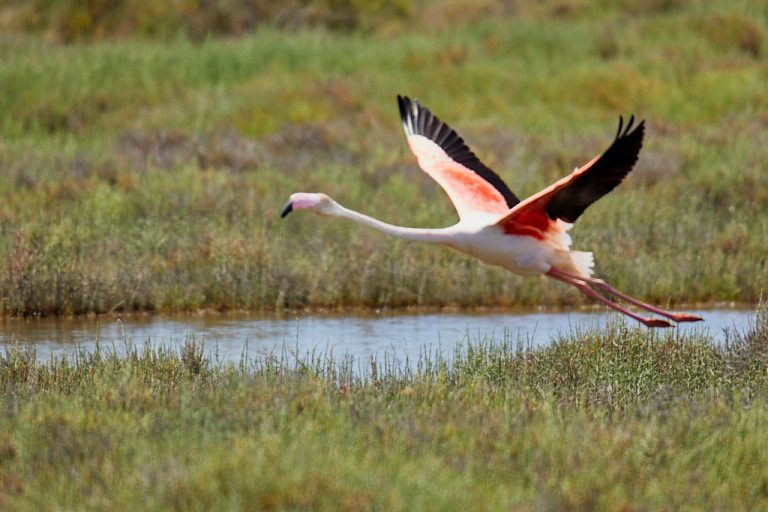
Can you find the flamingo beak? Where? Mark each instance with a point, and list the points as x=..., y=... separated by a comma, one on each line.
x=288, y=208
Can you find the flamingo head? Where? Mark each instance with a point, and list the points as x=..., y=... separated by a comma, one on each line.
x=318, y=203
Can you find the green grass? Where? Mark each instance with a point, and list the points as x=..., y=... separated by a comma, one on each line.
x=144, y=156
x=615, y=420
x=146, y=174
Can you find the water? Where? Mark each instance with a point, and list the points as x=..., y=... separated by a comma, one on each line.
x=360, y=336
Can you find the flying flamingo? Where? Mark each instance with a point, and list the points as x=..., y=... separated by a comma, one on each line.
x=527, y=237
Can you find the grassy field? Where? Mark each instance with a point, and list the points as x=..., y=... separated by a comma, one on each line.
x=146, y=148
x=145, y=172
x=624, y=419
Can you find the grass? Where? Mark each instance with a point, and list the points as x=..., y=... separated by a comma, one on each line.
x=145, y=151
x=144, y=173
x=615, y=420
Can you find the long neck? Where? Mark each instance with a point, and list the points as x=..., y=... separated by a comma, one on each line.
x=435, y=236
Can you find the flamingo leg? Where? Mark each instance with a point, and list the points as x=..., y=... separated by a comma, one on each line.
x=677, y=317
x=583, y=287
x=604, y=286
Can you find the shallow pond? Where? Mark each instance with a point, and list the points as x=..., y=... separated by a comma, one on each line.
x=229, y=336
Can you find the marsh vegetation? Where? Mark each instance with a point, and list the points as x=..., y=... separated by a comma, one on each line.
x=145, y=151
x=144, y=172
x=616, y=419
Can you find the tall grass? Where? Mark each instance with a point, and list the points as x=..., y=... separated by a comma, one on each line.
x=146, y=174
x=625, y=418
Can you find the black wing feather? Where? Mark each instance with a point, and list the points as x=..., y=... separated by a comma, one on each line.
x=602, y=177
x=418, y=120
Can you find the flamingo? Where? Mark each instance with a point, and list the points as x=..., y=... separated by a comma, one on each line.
x=527, y=237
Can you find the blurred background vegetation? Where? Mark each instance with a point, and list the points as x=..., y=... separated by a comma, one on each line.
x=146, y=147
x=97, y=20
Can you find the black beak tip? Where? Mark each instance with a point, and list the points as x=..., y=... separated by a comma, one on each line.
x=288, y=208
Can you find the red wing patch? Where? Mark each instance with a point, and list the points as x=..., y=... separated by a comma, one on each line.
x=532, y=222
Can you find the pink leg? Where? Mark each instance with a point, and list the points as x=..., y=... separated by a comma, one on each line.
x=677, y=317
x=581, y=284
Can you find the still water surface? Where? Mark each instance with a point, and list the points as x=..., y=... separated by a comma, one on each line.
x=359, y=336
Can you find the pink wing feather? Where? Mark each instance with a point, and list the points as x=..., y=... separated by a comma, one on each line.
x=442, y=153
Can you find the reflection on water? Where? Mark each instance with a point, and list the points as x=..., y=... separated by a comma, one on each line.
x=402, y=335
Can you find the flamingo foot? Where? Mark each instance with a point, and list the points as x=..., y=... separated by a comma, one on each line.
x=683, y=317
x=655, y=322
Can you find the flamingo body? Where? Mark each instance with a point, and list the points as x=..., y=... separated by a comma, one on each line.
x=528, y=237
x=521, y=254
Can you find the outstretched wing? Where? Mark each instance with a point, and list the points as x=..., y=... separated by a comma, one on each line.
x=567, y=198
x=442, y=153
